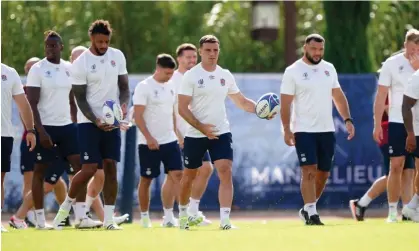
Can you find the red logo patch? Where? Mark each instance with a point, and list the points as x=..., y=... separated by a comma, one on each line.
x=3, y=77
x=113, y=63
x=327, y=73
x=222, y=82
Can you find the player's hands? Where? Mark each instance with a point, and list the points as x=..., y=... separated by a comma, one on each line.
x=351, y=129
x=181, y=142
x=152, y=143
x=414, y=61
x=31, y=141
x=124, y=125
x=410, y=142
x=45, y=140
x=124, y=110
x=271, y=116
x=378, y=134
x=103, y=126
x=208, y=130
x=289, y=138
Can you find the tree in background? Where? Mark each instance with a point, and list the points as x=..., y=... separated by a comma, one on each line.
x=346, y=36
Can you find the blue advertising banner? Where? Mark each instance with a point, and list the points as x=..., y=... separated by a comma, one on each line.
x=266, y=172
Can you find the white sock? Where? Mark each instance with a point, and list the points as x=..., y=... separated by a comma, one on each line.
x=414, y=202
x=66, y=205
x=310, y=208
x=193, y=206
x=224, y=214
x=364, y=201
x=145, y=215
x=168, y=214
x=80, y=212
x=109, y=211
x=89, y=201
x=31, y=216
x=40, y=217
x=183, y=210
x=392, y=208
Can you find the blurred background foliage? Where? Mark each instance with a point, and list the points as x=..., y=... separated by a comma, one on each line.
x=360, y=35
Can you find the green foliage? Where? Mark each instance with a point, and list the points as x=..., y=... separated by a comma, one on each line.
x=346, y=36
x=144, y=29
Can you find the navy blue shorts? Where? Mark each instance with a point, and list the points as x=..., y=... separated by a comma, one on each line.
x=65, y=137
x=206, y=157
x=316, y=149
x=195, y=148
x=97, y=145
x=397, y=139
x=6, y=153
x=169, y=154
x=27, y=161
x=409, y=162
x=416, y=152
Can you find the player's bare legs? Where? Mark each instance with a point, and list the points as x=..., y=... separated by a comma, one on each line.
x=308, y=188
x=407, y=185
x=94, y=188
x=172, y=182
x=225, y=192
x=27, y=186
x=321, y=179
x=394, y=186
x=198, y=189
x=144, y=200
x=110, y=189
x=411, y=209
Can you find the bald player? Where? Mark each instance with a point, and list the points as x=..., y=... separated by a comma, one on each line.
x=96, y=183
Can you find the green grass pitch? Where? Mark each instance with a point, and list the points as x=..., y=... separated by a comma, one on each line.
x=252, y=235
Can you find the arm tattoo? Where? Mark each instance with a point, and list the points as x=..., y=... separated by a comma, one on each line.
x=80, y=94
x=124, y=94
x=408, y=103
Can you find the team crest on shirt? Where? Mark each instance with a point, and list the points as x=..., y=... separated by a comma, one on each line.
x=327, y=73
x=48, y=74
x=305, y=75
x=113, y=63
x=222, y=82
x=93, y=67
x=3, y=77
x=156, y=93
x=201, y=83
x=401, y=67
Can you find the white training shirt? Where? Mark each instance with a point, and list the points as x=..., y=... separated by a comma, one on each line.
x=11, y=85
x=181, y=124
x=311, y=85
x=394, y=74
x=100, y=74
x=55, y=84
x=209, y=91
x=412, y=91
x=159, y=100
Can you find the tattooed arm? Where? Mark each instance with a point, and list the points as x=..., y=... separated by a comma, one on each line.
x=73, y=107
x=80, y=95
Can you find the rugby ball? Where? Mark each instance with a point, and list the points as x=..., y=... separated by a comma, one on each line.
x=112, y=113
x=267, y=105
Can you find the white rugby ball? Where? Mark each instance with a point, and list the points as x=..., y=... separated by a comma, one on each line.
x=267, y=105
x=112, y=113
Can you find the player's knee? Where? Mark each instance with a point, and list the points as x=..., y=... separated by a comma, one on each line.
x=175, y=176
x=206, y=170
x=99, y=178
x=308, y=172
x=48, y=187
x=225, y=173
x=188, y=176
x=322, y=175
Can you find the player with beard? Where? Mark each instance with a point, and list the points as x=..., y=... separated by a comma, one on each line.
x=187, y=58
x=98, y=74
x=310, y=85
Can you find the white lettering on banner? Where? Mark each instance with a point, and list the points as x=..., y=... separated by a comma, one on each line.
x=283, y=175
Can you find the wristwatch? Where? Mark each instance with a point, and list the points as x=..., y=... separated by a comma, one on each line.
x=31, y=131
x=349, y=120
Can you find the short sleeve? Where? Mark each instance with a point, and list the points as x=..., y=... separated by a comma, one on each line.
x=187, y=85
x=17, y=84
x=78, y=74
x=232, y=86
x=385, y=75
x=288, y=83
x=140, y=94
x=412, y=87
x=335, y=79
x=122, y=64
x=34, y=79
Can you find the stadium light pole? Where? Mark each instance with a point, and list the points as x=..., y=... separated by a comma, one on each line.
x=265, y=20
